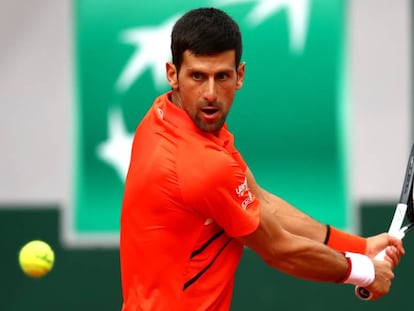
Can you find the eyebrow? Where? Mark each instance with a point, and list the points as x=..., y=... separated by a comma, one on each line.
x=227, y=69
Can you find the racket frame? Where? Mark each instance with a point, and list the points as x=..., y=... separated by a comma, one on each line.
x=403, y=210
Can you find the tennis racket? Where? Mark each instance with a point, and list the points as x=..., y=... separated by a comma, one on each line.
x=403, y=210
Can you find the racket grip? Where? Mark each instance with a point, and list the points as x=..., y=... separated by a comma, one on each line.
x=360, y=291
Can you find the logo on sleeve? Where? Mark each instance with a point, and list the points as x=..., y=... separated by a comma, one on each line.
x=243, y=191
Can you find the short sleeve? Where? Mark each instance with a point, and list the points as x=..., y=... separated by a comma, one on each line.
x=217, y=188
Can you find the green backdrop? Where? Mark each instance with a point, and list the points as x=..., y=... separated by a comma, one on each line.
x=289, y=119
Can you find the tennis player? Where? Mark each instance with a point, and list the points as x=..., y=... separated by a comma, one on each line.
x=191, y=203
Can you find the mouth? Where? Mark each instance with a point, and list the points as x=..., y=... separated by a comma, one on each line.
x=210, y=114
x=209, y=111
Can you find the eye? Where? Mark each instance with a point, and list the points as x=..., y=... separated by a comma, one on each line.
x=197, y=76
x=222, y=76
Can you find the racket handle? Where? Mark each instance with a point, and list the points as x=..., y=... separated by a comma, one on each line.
x=363, y=293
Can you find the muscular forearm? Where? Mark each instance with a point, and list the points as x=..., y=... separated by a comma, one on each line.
x=296, y=255
x=292, y=219
x=301, y=224
x=295, y=221
x=309, y=260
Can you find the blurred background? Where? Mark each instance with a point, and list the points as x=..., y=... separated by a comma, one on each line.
x=325, y=119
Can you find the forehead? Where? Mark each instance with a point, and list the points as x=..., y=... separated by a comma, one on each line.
x=224, y=61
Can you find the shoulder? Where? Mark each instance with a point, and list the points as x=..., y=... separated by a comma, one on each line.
x=206, y=168
x=207, y=160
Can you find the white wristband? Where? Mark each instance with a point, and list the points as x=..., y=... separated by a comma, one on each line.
x=362, y=270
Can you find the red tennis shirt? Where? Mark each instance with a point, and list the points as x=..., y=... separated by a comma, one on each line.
x=186, y=198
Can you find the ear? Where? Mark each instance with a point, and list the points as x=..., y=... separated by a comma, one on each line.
x=172, y=75
x=240, y=75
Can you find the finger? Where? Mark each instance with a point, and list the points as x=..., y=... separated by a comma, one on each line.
x=393, y=256
x=397, y=243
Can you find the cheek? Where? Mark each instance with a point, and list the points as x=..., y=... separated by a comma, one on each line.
x=228, y=96
x=189, y=99
x=191, y=93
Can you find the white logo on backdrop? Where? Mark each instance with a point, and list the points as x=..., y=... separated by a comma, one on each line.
x=297, y=11
x=153, y=50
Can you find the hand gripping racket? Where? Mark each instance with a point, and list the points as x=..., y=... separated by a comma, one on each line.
x=404, y=209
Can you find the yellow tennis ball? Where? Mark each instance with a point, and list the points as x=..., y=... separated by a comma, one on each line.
x=36, y=258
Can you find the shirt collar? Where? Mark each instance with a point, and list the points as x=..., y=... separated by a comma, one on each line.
x=171, y=113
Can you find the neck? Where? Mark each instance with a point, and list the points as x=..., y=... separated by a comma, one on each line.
x=176, y=100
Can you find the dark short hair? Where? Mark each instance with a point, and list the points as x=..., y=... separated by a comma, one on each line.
x=205, y=31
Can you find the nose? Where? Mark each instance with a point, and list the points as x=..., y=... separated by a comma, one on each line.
x=210, y=92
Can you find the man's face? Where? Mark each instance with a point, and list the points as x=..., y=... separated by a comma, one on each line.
x=205, y=87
